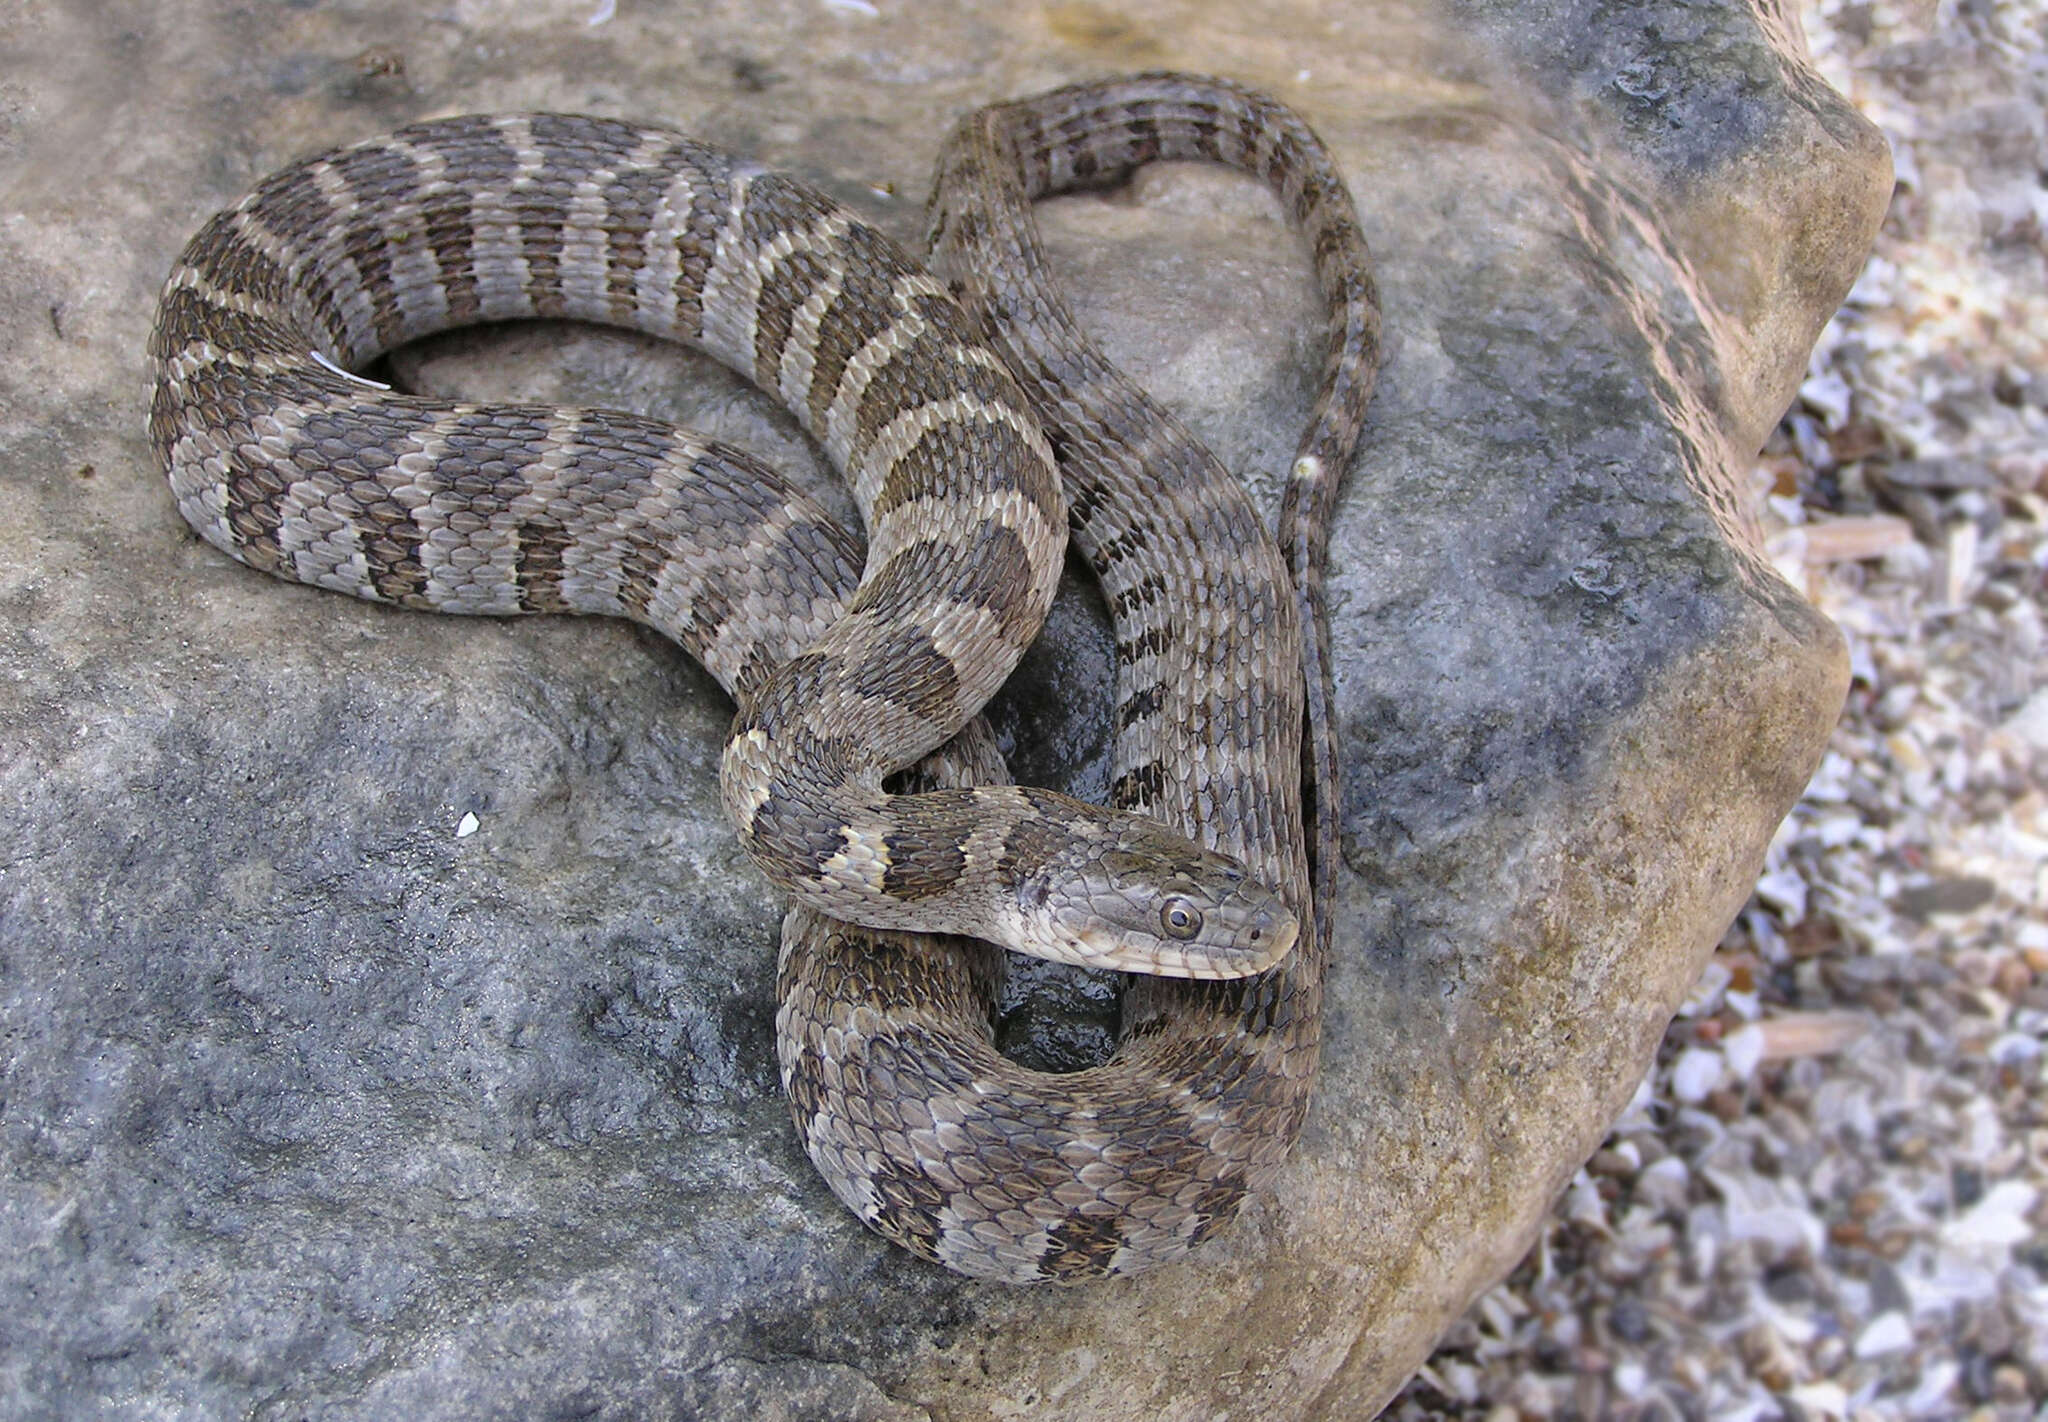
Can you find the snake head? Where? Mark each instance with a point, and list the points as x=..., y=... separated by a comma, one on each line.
x=1146, y=900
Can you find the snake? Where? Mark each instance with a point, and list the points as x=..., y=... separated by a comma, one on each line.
x=1222, y=667
x=847, y=667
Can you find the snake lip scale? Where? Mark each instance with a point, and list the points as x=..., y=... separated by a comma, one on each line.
x=933, y=399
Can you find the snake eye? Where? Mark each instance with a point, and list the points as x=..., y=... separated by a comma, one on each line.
x=1180, y=918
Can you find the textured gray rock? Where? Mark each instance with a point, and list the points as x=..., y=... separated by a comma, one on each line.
x=313, y=1105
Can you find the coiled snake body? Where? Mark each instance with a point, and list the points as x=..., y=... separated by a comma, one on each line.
x=845, y=671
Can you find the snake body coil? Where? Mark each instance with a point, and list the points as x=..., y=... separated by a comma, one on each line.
x=278, y=456
x=1010, y=1174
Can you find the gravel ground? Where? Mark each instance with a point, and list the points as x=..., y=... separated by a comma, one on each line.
x=1827, y=1200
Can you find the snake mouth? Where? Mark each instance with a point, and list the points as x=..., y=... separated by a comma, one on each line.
x=1270, y=936
x=1265, y=936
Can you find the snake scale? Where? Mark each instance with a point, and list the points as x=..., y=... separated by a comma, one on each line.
x=942, y=405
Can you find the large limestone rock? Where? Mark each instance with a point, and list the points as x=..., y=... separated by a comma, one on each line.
x=314, y=1105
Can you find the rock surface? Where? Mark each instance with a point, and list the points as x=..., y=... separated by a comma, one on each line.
x=315, y=1104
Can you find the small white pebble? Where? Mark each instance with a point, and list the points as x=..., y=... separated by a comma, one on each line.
x=1583, y=1205
x=2014, y=1049
x=1500, y=1308
x=1887, y=1333
x=1836, y=830
x=2030, y=722
x=1960, y=565
x=1821, y=1399
x=1930, y=1398
x=1705, y=997
x=1666, y=1184
x=1998, y=1221
x=1430, y=1377
x=1460, y=1379
x=1774, y=1213
x=1828, y=395
x=1791, y=1327
x=466, y=826
x=1696, y=1072
x=852, y=7
x=1744, y=1049
x=1784, y=891
x=1907, y=563
x=605, y=10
